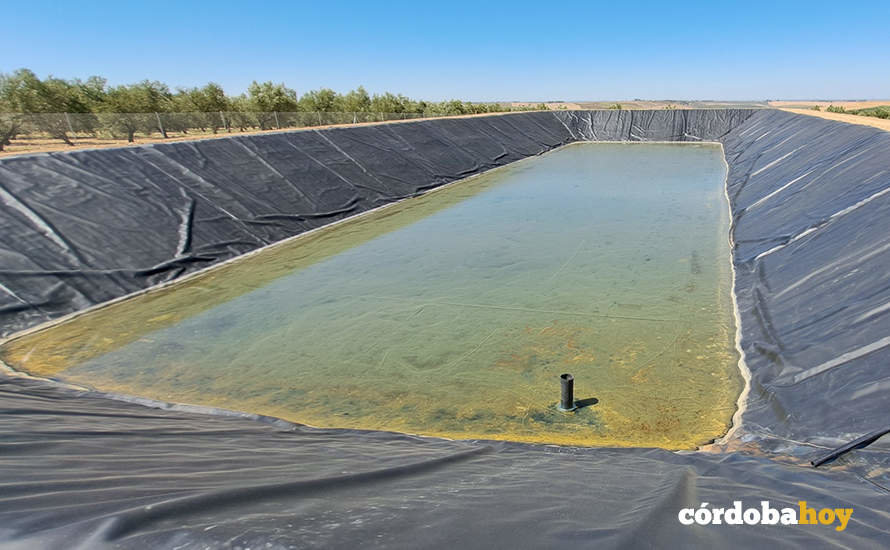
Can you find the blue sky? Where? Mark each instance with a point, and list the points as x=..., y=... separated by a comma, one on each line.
x=470, y=50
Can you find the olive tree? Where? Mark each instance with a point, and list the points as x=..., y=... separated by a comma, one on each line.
x=267, y=99
x=48, y=102
x=134, y=108
x=199, y=107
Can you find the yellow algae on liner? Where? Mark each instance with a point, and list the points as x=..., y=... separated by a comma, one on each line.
x=453, y=314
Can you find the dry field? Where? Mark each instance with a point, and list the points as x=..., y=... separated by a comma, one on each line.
x=672, y=104
x=849, y=105
x=640, y=104
x=882, y=123
x=805, y=108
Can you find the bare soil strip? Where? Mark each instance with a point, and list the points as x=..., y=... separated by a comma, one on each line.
x=882, y=123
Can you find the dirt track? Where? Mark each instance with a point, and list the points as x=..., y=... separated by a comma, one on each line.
x=882, y=123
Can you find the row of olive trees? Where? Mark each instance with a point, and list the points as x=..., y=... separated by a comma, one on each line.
x=62, y=108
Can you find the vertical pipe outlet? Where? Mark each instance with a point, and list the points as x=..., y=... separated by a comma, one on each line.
x=567, y=398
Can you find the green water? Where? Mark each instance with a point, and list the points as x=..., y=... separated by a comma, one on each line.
x=454, y=314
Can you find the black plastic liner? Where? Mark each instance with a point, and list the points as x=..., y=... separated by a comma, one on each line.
x=811, y=220
x=82, y=471
x=810, y=201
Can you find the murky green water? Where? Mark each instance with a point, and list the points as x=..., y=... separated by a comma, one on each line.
x=453, y=314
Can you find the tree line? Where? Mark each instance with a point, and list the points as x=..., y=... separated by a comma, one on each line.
x=881, y=111
x=62, y=108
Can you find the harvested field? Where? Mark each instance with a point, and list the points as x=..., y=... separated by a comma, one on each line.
x=882, y=123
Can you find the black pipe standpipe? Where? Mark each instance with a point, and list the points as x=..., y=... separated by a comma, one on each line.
x=567, y=399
